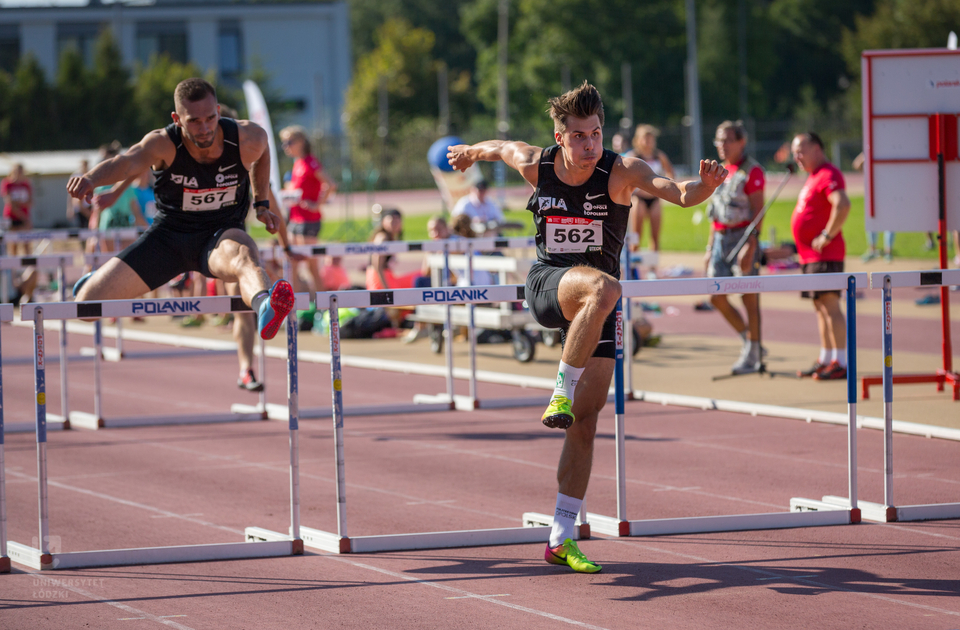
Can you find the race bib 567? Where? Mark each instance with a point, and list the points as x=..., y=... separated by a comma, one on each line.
x=566, y=235
x=208, y=198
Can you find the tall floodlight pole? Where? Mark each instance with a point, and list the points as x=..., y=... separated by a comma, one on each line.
x=693, y=90
x=742, y=55
x=443, y=91
x=503, y=122
x=626, y=81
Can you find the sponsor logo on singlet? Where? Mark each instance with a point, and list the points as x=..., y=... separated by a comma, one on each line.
x=180, y=179
x=589, y=209
x=550, y=203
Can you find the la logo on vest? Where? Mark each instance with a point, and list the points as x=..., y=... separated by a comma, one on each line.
x=548, y=203
x=179, y=179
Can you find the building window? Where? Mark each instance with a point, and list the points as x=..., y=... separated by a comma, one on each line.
x=162, y=38
x=79, y=36
x=231, y=51
x=9, y=47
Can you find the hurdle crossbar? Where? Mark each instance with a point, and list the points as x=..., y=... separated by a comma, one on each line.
x=146, y=308
x=30, y=236
x=6, y=315
x=803, y=512
x=888, y=510
x=45, y=557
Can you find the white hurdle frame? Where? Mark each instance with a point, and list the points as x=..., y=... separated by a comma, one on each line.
x=803, y=512
x=46, y=558
x=6, y=315
x=888, y=511
x=138, y=308
x=340, y=541
x=420, y=403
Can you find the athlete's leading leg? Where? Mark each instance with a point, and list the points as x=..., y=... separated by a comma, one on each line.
x=235, y=258
x=576, y=462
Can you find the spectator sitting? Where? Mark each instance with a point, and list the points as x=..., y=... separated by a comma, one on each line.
x=480, y=209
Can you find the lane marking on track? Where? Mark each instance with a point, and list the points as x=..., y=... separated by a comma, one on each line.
x=478, y=596
x=774, y=575
x=465, y=594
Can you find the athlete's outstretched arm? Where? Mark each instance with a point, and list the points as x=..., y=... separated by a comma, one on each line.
x=254, y=140
x=639, y=175
x=519, y=156
x=154, y=149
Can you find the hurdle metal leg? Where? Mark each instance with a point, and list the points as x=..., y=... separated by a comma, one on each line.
x=4, y=559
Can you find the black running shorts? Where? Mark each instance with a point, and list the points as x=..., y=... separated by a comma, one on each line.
x=161, y=253
x=541, y=294
x=827, y=266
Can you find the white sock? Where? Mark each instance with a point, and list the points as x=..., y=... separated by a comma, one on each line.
x=743, y=335
x=824, y=356
x=564, y=519
x=257, y=300
x=840, y=356
x=567, y=379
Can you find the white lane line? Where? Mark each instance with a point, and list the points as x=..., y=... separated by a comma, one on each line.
x=103, y=600
x=142, y=506
x=464, y=594
x=775, y=575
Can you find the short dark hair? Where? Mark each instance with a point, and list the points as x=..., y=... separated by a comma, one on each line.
x=193, y=90
x=739, y=129
x=812, y=137
x=581, y=102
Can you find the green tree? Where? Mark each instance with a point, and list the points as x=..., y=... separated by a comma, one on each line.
x=31, y=115
x=153, y=90
x=403, y=60
x=900, y=24
x=73, y=102
x=5, y=87
x=111, y=94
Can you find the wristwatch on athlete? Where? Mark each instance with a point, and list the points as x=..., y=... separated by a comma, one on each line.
x=263, y=203
x=826, y=235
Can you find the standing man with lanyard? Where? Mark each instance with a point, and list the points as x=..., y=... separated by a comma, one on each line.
x=581, y=205
x=731, y=209
x=202, y=165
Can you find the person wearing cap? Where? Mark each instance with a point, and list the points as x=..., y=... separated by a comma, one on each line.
x=478, y=207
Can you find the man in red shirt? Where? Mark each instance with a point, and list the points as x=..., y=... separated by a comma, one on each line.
x=818, y=218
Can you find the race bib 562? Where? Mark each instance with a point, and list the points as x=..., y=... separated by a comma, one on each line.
x=566, y=235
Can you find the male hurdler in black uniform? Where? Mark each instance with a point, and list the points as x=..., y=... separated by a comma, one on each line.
x=580, y=203
x=202, y=165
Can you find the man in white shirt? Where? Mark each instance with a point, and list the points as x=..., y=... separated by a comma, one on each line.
x=479, y=208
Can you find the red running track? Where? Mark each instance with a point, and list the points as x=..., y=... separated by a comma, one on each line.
x=188, y=484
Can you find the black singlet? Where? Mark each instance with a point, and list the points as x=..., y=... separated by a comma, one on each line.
x=578, y=225
x=193, y=196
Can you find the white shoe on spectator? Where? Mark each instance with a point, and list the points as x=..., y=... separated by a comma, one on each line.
x=749, y=360
x=417, y=332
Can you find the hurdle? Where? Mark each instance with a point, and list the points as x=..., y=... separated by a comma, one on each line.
x=6, y=315
x=803, y=512
x=44, y=557
x=138, y=308
x=889, y=511
x=340, y=541
x=421, y=402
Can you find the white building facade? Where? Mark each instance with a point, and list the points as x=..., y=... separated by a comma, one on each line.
x=303, y=47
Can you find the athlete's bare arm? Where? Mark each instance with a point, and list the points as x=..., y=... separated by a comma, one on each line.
x=630, y=173
x=155, y=149
x=519, y=156
x=255, y=151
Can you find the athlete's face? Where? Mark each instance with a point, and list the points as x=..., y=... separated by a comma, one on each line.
x=582, y=142
x=199, y=120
